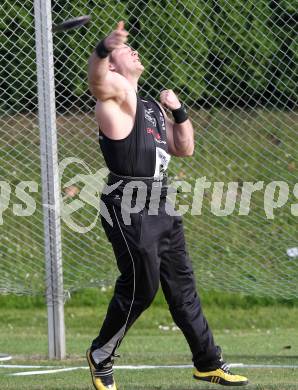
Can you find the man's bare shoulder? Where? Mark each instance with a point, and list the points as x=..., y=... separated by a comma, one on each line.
x=106, y=107
x=116, y=77
x=115, y=117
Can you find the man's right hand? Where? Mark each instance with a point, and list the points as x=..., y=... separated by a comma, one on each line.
x=117, y=38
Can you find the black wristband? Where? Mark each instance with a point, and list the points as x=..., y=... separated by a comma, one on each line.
x=180, y=114
x=101, y=50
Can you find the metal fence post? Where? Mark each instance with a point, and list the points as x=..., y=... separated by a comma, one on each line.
x=50, y=178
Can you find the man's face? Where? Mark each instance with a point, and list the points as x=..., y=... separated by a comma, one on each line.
x=125, y=60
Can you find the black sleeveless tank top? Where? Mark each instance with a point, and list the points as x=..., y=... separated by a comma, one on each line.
x=144, y=152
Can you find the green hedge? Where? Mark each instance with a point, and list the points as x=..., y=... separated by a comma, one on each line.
x=214, y=52
x=91, y=297
x=17, y=48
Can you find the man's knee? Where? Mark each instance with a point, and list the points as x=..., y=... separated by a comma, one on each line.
x=180, y=301
x=144, y=299
x=179, y=295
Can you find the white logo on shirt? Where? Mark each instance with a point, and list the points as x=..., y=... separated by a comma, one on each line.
x=149, y=118
x=162, y=120
x=161, y=163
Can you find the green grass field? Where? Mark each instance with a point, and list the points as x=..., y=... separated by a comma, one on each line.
x=254, y=145
x=254, y=335
x=233, y=253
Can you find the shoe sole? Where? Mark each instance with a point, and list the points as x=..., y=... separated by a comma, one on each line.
x=220, y=381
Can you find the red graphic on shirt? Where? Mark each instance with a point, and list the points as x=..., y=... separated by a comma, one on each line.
x=152, y=131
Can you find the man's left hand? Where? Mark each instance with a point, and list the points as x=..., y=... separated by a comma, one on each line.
x=169, y=99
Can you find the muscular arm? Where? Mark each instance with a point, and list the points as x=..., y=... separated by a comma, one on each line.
x=116, y=98
x=103, y=83
x=180, y=136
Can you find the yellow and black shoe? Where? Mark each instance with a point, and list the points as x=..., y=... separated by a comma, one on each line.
x=102, y=374
x=221, y=376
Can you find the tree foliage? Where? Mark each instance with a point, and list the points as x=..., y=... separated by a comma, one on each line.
x=213, y=52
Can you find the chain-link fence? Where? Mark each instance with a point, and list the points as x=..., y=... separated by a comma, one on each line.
x=234, y=64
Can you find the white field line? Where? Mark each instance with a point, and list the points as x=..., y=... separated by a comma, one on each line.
x=130, y=367
x=23, y=366
x=5, y=358
x=47, y=371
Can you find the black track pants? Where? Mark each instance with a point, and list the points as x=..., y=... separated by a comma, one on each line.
x=151, y=251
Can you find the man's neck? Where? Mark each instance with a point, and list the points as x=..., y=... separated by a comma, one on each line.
x=133, y=81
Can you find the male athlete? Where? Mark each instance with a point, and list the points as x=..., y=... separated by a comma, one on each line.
x=137, y=139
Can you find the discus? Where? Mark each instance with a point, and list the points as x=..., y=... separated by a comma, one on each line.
x=71, y=24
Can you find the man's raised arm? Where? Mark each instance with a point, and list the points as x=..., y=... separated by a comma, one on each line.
x=103, y=83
